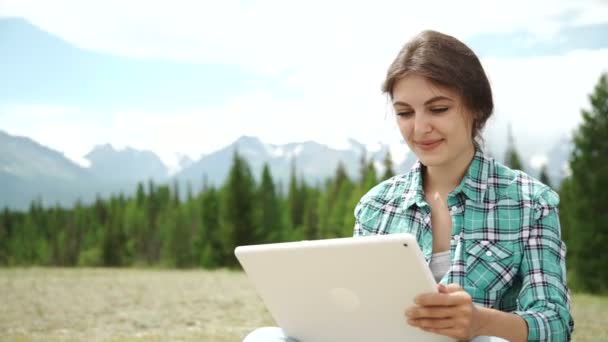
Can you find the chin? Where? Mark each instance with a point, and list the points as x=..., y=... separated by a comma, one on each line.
x=431, y=160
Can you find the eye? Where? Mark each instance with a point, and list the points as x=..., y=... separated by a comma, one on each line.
x=438, y=110
x=405, y=113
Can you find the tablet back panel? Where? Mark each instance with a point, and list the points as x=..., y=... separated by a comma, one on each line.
x=350, y=289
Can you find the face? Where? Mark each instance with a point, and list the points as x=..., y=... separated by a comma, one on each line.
x=433, y=121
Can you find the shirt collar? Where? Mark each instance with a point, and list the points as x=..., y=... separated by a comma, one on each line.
x=475, y=182
x=473, y=185
x=414, y=192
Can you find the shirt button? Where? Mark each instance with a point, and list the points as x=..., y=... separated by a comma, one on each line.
x=488, y=253
x=454, y=209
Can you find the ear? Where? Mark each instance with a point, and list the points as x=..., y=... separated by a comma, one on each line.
x=476, y=124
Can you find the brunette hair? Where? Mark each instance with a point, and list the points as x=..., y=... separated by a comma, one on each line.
x=447, y=62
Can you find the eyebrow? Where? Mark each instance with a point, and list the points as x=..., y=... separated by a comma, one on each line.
x=429, y=101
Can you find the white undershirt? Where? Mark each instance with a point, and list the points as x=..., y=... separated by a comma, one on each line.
x=440, y=264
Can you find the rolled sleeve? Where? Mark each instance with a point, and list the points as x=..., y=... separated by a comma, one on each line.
x=544, y=299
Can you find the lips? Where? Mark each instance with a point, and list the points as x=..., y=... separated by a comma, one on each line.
x=428, y=145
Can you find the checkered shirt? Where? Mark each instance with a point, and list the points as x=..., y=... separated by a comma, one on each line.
x=505, y=247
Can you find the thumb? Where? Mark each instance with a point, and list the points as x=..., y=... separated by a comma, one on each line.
x=442, y=288
x=451, y=288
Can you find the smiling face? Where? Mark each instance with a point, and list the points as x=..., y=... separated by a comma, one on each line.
x=433, y=121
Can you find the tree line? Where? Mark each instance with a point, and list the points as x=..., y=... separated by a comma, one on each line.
x=157, y=228
x=584, y=195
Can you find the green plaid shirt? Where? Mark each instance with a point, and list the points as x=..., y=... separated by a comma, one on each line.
x=506, y=248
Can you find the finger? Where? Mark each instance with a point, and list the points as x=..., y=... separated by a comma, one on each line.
x=430, y=312
x=436, y=299
x=443, y=299
x=450, y=288
x=432, y=323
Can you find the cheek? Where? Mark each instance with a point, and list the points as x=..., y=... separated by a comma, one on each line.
x=459, y=133
x=453, y=127
x=405, y=126
x=465, y=129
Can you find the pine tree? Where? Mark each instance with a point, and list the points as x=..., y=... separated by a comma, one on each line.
x=340, y=178
x=140, y=195
x=179, y=252
x=294, y=200
x=388, y=166
x=587, y=196
x=332, y=204
x=114, y=242
x=78, y=223
x=238, y=212
x=567, y=221
x=544, y=176
x=342, y=210
x=370, y=179
x=311, y=214
x=345, y=191
x=363, y=166
x=512, y=158
x=91, y=250
x=269, y=210
x=134, y=229
x=175, y=196
x=210, y=242
x=6, y=223
x=157, y=200
x=189, y=193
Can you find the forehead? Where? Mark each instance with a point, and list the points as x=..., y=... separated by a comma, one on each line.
x=415, y=89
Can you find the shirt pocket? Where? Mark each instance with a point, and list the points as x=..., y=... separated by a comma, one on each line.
x=490, y=265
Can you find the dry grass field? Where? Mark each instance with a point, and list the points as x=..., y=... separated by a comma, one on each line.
x=51, y=304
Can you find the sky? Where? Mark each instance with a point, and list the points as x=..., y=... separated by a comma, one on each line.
x=293, y=71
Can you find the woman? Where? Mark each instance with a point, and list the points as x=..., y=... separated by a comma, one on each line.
x=491, y=234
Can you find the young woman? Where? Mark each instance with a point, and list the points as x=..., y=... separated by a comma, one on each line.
x=491, y=234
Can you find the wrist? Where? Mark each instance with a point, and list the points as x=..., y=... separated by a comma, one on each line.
x=492, y=322
x=482, y=321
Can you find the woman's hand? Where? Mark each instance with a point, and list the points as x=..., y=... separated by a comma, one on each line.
x=450, y=312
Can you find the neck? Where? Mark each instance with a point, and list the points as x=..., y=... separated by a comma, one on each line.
x=444, y=178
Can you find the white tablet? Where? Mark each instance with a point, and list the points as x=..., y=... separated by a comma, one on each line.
x=348, y=289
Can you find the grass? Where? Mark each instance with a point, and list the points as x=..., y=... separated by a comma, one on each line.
x=40, y=304
x=590, y=317
x=127, y=305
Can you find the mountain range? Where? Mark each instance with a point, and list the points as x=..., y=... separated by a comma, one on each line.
x=29, y=170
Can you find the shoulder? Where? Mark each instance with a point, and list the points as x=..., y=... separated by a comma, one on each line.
x=520, y=187
x=391, y=191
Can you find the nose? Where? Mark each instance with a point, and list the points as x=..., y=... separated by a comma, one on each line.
x=422, y=124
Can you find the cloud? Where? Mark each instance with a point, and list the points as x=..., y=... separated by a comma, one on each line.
x=329, y=57
x=275, y=35
x=542, y=97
